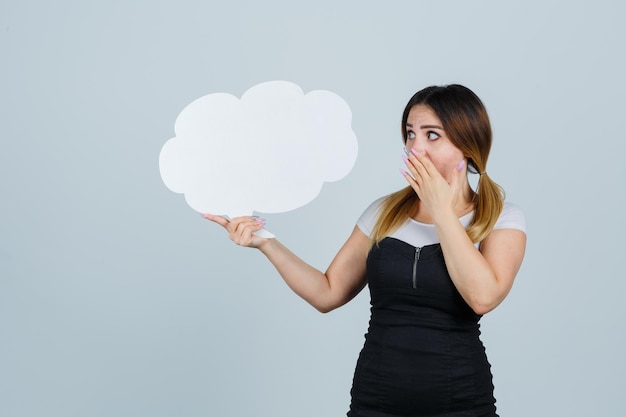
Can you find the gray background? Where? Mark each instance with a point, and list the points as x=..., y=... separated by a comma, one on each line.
x=117, y=299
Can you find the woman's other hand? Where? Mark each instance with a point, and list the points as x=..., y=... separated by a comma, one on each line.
x=241, y=229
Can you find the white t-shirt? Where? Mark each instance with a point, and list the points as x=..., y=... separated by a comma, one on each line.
x=420, y=234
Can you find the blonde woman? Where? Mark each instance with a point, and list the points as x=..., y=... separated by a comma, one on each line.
x=436, y=256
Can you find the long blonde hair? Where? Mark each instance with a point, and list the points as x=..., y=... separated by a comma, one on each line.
x=466, y=124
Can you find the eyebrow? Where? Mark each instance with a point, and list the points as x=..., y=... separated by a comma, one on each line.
x=426, y=126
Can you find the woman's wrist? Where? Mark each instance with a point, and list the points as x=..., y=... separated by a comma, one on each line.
x=265, y=245
x=444, y=216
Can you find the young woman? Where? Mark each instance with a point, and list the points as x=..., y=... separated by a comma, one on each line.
x=436, y=256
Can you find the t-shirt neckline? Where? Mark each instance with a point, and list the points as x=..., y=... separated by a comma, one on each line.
x=464, y=219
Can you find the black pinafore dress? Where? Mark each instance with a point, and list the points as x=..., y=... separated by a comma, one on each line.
x=422, y=354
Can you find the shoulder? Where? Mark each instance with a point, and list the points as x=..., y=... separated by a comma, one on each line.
x=512, y=217
x=368, y=218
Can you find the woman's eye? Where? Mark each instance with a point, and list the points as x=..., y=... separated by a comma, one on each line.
x=410, y=135
x=432, y=136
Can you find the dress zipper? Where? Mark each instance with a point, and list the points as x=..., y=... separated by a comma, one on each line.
x=415, y=259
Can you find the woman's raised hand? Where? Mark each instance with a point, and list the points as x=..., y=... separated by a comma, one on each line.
x=433, y=189
x=241, y=229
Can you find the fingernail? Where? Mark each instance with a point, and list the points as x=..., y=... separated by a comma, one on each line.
x=414, y=152
x=405, y=159
x=459, y=167
x=403, y=172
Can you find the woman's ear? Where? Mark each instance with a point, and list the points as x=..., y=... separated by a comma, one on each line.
x=471, y=167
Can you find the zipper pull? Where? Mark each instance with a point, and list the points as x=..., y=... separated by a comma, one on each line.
x=415, y=259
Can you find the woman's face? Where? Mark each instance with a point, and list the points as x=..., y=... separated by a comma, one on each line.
x=425, y=134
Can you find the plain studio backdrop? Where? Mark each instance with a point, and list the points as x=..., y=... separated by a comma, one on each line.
x=117, y=299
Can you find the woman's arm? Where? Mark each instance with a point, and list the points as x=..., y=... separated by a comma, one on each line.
x=343, y=280
x=483, y=277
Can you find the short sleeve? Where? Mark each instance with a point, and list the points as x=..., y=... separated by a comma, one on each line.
x=512, y=217
x=368, y=219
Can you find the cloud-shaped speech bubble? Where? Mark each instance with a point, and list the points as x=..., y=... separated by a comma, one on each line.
x=270, y=151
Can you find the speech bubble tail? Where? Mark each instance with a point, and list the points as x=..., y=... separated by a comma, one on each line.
x=264, y=234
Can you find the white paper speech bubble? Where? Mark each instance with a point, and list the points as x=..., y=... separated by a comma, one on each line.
x=270, y=151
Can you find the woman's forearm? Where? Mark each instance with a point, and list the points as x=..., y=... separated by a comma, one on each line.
x=469, y=270
x=342, y=281
x=309, y=283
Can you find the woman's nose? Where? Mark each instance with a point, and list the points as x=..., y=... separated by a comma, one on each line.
x=417, y=146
